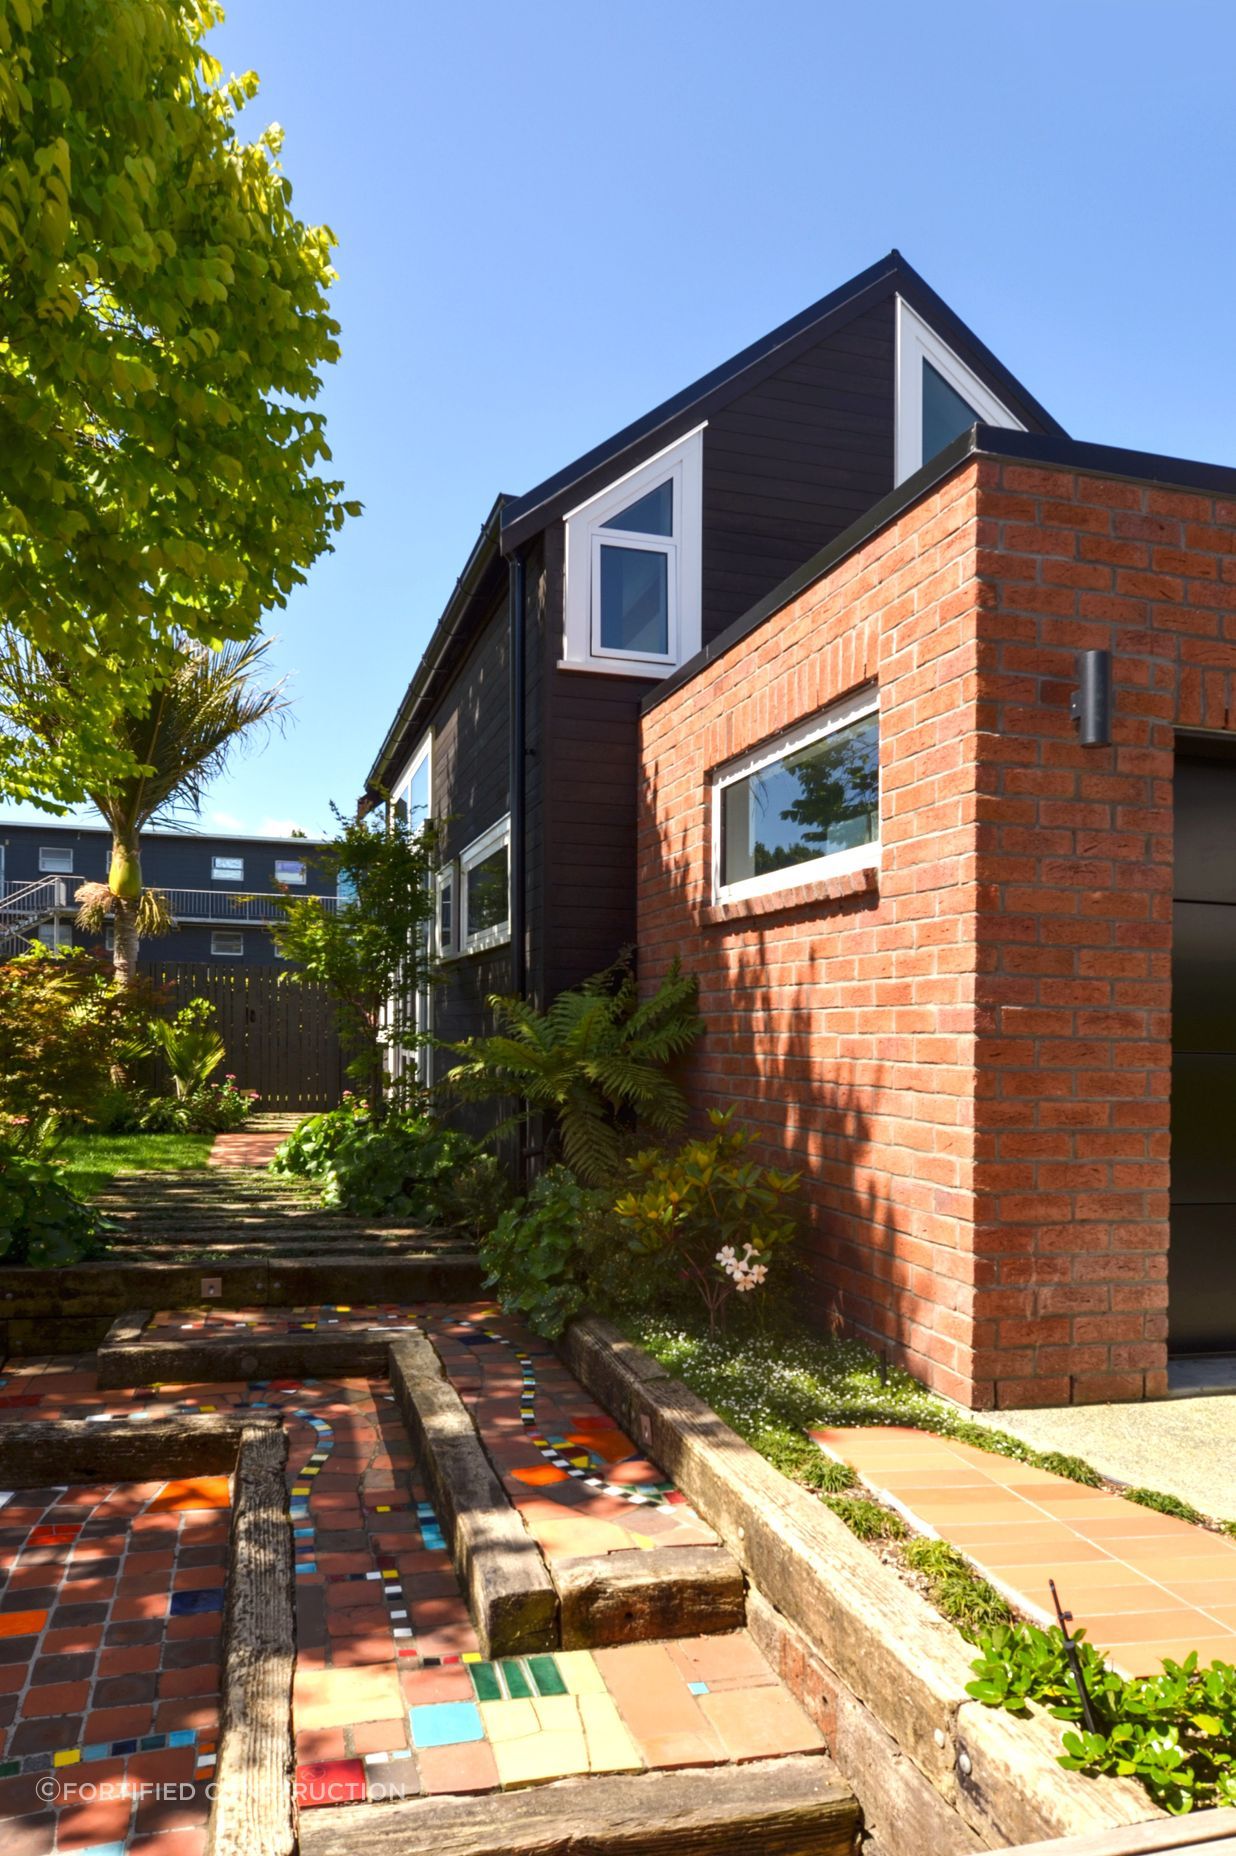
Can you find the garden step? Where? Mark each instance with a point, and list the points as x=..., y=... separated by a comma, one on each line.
x=798, y=1806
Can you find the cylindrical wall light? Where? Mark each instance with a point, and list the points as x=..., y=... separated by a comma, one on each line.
x=1092, y=699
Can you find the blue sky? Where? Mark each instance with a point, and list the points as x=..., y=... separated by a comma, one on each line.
x=551, y=216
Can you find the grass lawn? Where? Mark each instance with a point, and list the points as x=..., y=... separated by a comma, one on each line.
x=92, y=1161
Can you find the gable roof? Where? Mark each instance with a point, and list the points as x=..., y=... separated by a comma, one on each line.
x=523, y=516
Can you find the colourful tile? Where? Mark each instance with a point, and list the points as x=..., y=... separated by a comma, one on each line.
x=445, y=1723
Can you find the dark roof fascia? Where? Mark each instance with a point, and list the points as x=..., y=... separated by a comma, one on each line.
x=1050, y=449
x=457, y=612
x=526, y=515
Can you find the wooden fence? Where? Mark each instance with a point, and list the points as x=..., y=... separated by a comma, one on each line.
x=281, y=1039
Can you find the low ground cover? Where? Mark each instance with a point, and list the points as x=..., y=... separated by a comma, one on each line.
x=89, y=1162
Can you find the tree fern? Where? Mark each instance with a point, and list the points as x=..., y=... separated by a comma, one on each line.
x=594, y=1061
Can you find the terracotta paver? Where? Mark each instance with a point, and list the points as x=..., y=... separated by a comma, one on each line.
x=85, y=1682
x=244, y=1148
x=1144, y=1585
x=391, y=1695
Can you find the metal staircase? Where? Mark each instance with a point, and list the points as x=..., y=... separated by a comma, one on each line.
x=25, y=906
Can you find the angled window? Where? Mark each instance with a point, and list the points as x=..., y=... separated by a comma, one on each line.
x=938, y=396
x=633, y=557
x=226, y=941
x=413, y=791
x=55, y=862
x=289, y=870
x=227, y=869
x=485, y=890
x=803, y=807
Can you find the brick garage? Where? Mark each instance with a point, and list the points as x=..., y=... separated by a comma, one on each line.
x=968, y=1052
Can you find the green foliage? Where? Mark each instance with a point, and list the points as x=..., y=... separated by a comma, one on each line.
x=956, y=1590
x=401, y=1167
x=1072, y=1467
x=475, y=1196
x=210, y=1108
x=720, y=1219
x=866, y=1518
x=42, y=1225
x=1164, y=1504
x=547, y=1253
x=1174, y=1732
x=163, y=331
x=371, y=952
x=801, y=1460
x=191, y=1045
x=63, y=1029
x=595, y=1064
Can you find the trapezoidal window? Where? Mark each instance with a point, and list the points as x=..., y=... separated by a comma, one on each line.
x=633, y=568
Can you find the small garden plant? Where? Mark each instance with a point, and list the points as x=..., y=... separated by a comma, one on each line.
x=405, y=1166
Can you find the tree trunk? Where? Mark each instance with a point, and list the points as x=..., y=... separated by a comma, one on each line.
x=124, y=953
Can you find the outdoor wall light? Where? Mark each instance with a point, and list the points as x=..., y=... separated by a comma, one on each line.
x=1092, y=699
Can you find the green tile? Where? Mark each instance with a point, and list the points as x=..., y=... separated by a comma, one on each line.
x=517, y=1686
x=485, y=1681
x=544, y=1672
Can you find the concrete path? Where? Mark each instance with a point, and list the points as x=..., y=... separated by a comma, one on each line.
x=1145, y=1585
x=1184, y=1447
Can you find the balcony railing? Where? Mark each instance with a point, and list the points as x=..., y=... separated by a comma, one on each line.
x=28, y=903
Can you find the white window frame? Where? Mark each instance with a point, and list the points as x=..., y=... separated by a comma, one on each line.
x=838, y=715
x=55, y=869
x=681, y=463
x=918, y=342
x=421, y=758
x=446, y=946
x=473, y=854
x=227, y=953
x=227, y=876
x=300, y=864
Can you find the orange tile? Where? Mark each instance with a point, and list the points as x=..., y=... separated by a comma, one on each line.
x=761, y=1723
x=21, y=1623
x=192, y=1492
x=540, y=1476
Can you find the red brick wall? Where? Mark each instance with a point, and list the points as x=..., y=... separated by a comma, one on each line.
x=969, y=1058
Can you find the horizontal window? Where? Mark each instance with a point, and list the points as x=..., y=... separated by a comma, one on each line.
x=227, y=869
x=289, y=870
x=226, y=941
x=801, y=808
x=53, y=862
x=485, y=890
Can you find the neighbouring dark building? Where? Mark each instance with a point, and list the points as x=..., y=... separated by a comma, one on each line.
x=222, y=889
x=519, y=729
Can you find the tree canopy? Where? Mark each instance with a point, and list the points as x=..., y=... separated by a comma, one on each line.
x=163, y=330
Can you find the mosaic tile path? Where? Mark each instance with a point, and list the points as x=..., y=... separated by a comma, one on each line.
x=391, y=1696
x=1143, y=1584
x=228, y=1323
x=109, y=1649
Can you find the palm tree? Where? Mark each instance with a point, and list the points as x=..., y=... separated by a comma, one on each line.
x=179, y=742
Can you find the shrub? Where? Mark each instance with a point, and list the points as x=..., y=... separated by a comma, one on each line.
x=402, y=1167
x=1174, y=1732
x=720, y=1218
x=594, y=1064
x=191, y=1045
x=64, y=1029
x=956, y=1590
x=41, y=1223
x=212, y=1108
x=475, y=1196
x=550, y=1254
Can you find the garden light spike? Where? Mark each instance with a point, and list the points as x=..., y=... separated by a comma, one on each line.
x=1074, y=1661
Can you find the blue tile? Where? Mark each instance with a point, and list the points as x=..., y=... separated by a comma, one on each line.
x=698, y=1688
x=445, y=1723
x=192, y=1604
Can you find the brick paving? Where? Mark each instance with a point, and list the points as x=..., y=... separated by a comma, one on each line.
x=1144, y=1585
x=109, y=1662
x=391, y=1695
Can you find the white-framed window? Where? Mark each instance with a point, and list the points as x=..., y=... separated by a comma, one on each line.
x=485, y=890
x=54, y=934
x=446, y=890
x=289, y=870
x=228, y=941
x=938, y=396
x=800, y=808
x=412, y=792
x=55, y=862
x=227, y=869
x=633, y=564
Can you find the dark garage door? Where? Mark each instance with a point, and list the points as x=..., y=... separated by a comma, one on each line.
x=1202, y=1270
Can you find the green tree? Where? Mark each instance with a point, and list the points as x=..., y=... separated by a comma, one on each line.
x=371, y=951
x=163, y=330
x=178, y=741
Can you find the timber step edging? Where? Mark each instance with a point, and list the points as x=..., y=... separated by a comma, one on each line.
x=795, y=1806
x=880, y=1639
